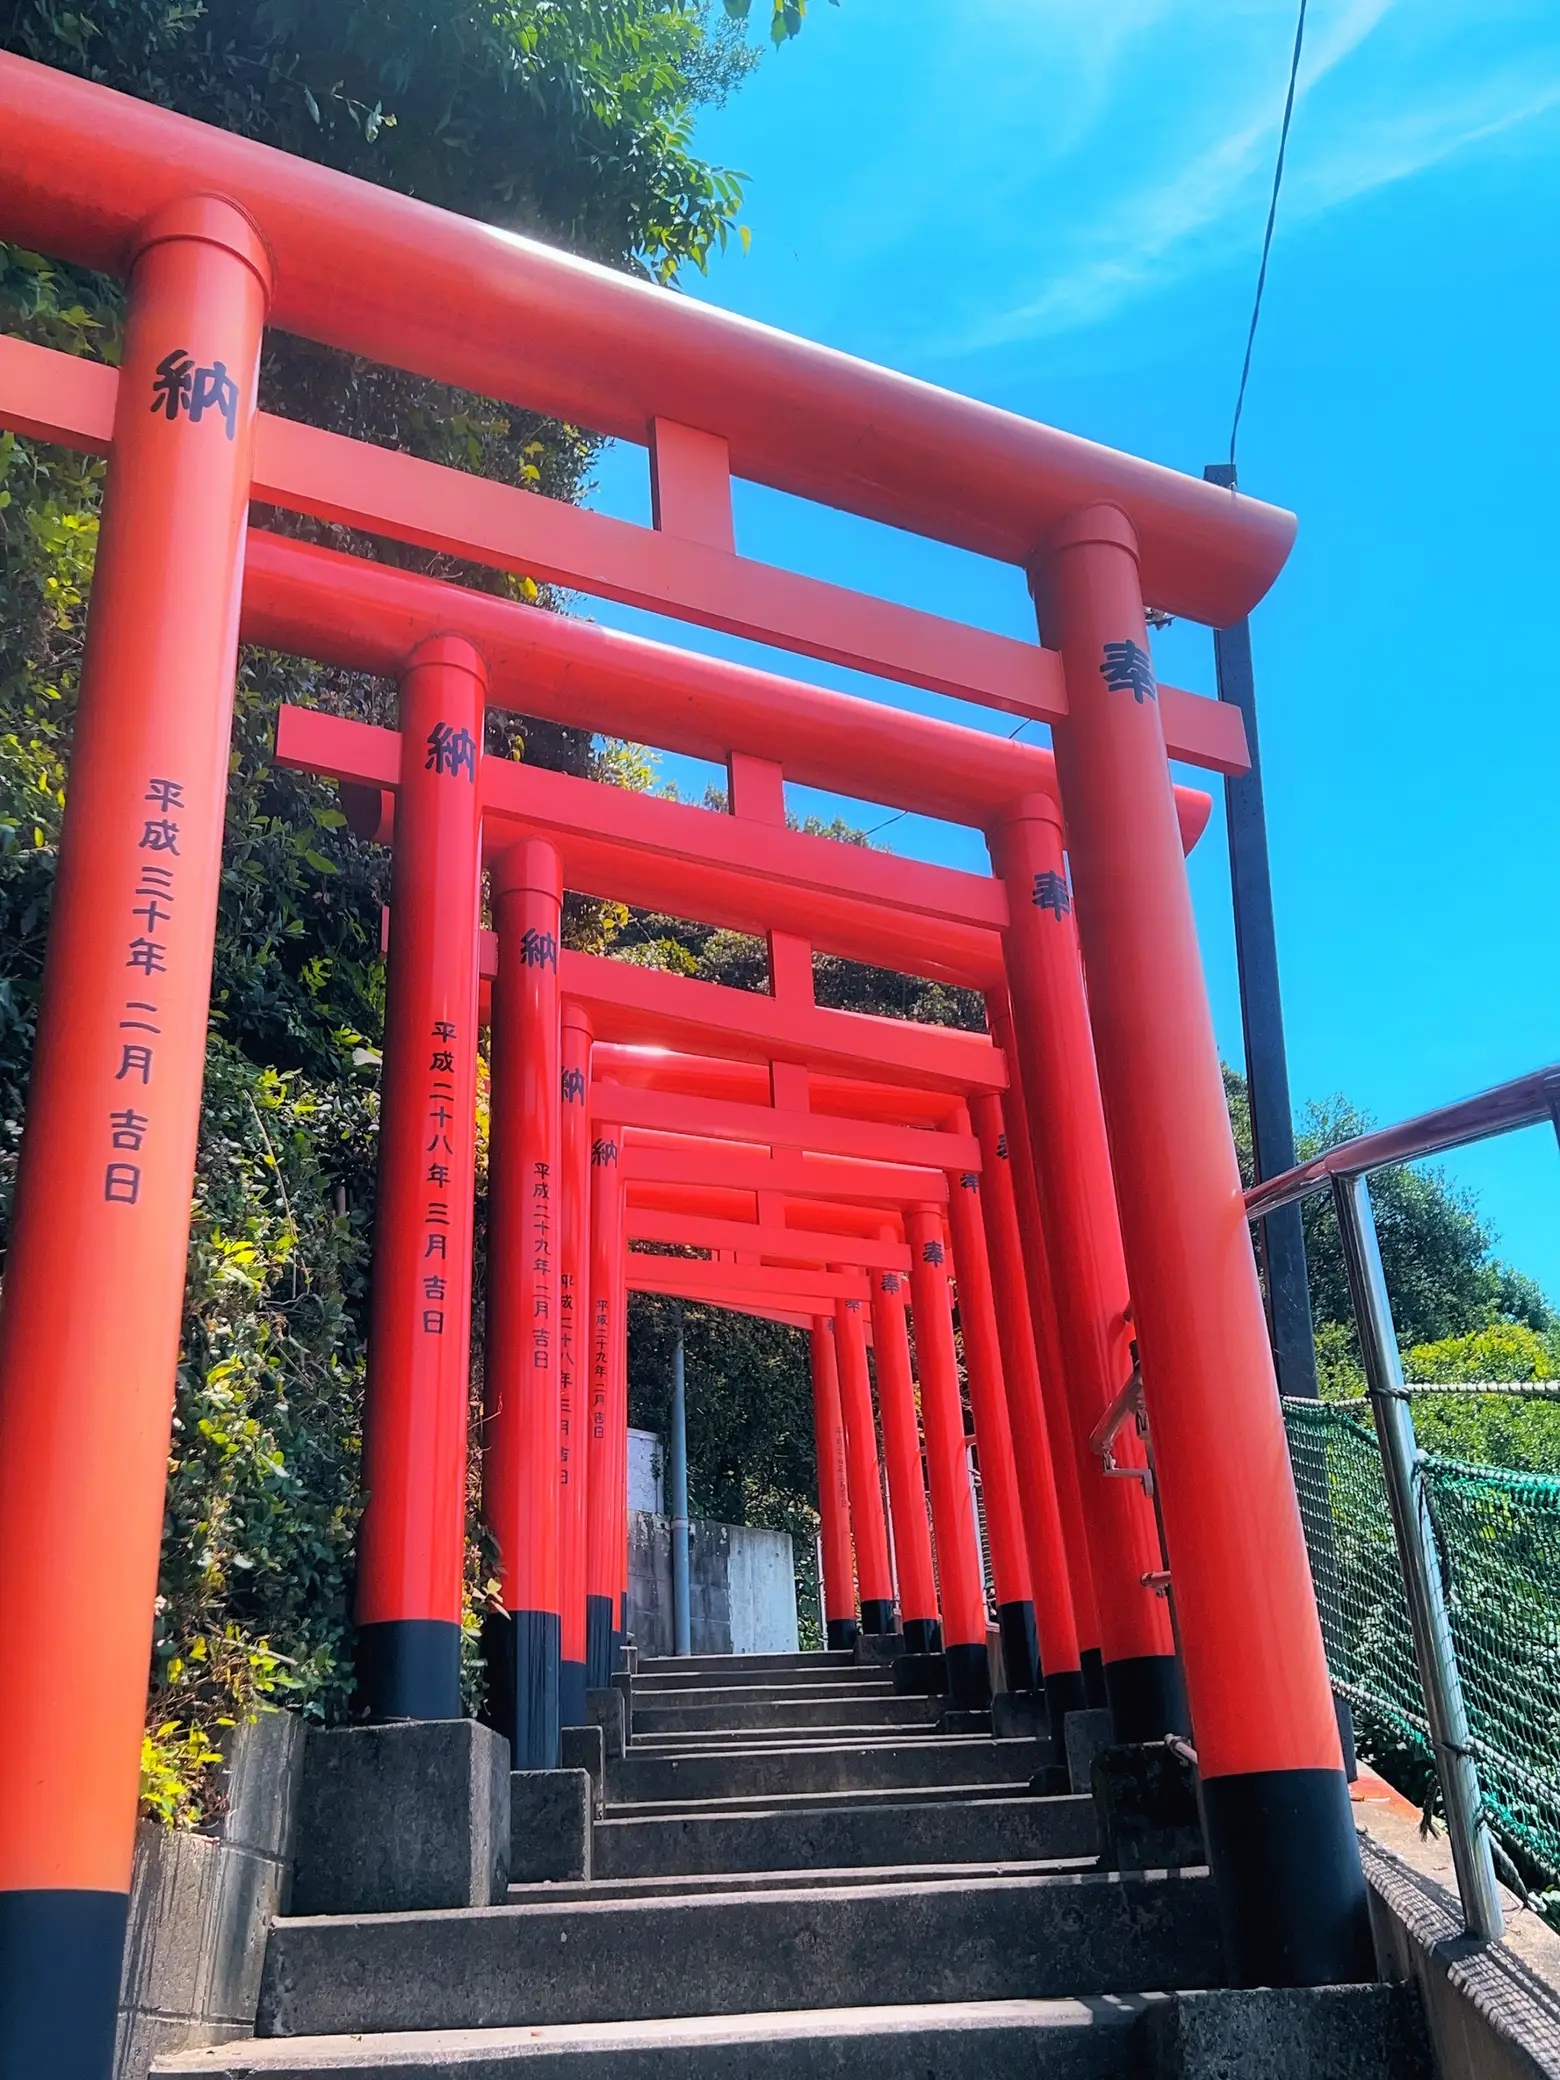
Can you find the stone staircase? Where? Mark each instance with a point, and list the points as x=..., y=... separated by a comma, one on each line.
x=797, y=1872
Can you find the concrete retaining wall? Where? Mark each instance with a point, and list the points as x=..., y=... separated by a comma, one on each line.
x=201, y=1906
x=742, y=1587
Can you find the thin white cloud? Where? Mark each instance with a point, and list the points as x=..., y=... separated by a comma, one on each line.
x=1380, y=100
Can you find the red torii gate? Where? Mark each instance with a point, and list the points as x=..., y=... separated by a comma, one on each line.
x=217, y=236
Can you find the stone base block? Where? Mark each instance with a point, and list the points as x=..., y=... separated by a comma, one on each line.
x=1083, y=1736
x=585, y=1747
x=608, y=1709
x=1346, y=2032
x=955, y=1721
x=1018, y=1715
x=549, y=1825
x=1145, y=1799
x=1050, y=1780
x=392, y=1819
x=878, y=1649
x=921, y=1675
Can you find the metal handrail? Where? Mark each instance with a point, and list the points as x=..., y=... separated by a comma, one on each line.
x=1524, y=1102
x=1344, y=1172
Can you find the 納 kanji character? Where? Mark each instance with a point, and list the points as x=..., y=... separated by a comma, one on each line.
x=451, y=749
x=574, y=1086
x=538, y=949
x=215, y=390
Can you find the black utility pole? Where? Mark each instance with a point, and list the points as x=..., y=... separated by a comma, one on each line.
x=1262, y=1014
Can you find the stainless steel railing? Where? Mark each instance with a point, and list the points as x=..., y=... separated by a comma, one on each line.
x=1344, y=1171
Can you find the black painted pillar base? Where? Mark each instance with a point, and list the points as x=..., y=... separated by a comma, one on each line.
x=1020, y=1645
x=969, y=1677
x=841, y=1633
x=533, y=1744
x=598, y=1643
x=409, y=1668
x=877, y=1615
x=923, y=1636
x=61, y=1954
x=1286, y=1865
x=1145, y=1698
x=1091, y=1663
x=1345, y=1718
x=571, y=1693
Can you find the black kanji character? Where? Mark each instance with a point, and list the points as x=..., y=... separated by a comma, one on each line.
x=969, y=1180
x=147, y=955
x=128, y=1129
x=434, y=1288
x=890, y=1282
x=215, y=390
x=160, y=836
x=573, y=1086
x=932, y=1253
x=433, y=1321
x=438, y=1214
x=438, y=1173
x=122, y=1184
x=173, y=383
x=167, y=794
x=435, y=1248
x=134, y=1060
x=538, y=949
x=1002, y=1154
x=1127, y=668
x=602, y=1152
x=442, y=1059
x=1051, y=894
x=153, y=915
x=451, y=749
x=443, y=1030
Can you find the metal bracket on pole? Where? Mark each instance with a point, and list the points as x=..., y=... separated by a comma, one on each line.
x=1127, y=1407
x=1422, y=1584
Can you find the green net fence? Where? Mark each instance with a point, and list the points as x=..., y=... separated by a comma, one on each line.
x=1498, y=1536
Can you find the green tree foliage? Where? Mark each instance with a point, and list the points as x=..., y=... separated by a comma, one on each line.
x=1436, y=1250
x=572, y=122
x=785, y=16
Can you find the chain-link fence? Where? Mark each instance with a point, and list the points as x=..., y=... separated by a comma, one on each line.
x=1497, y=1534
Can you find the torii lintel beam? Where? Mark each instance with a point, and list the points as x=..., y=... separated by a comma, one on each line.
x=819, y=1133
x=697, y=1278
x=764, y=1240
x=676, y=1162
x=362, y=268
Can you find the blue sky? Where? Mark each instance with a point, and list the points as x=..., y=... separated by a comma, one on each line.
x=1057, y=205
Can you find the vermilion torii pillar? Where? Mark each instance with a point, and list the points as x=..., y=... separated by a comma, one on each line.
x=953, y=1508
x=839, y=1592
x=902, y=1459
x=412, y=1545
x=1048, y=1355
x=1054, y=1050
x=521, y=1443
x=573, y=1356
x=993, y=1436
x=1281, y=1840
x=602, y=1566
x=874, y=1577
x=89, y=1336
x=1050, y=1573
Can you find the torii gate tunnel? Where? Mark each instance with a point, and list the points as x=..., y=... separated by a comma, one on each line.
x=1067, y=1180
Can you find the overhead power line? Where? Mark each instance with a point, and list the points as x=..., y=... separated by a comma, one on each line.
x=1267, y=242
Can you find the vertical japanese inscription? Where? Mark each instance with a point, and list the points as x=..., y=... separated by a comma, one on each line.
x=146, y=952
x=440, y=1152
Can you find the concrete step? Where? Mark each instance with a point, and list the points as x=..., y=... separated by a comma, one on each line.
x=728, y=1953
x=685, y=1887
x=813, y=1801
x=731, y=1714
x=758, y=1769
x=995, y=2040
x=1317, y=2033
x=666, y=1675
x=738, y=1665
x=773, y=1690
x=714, y=1739
x=967, y=1831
